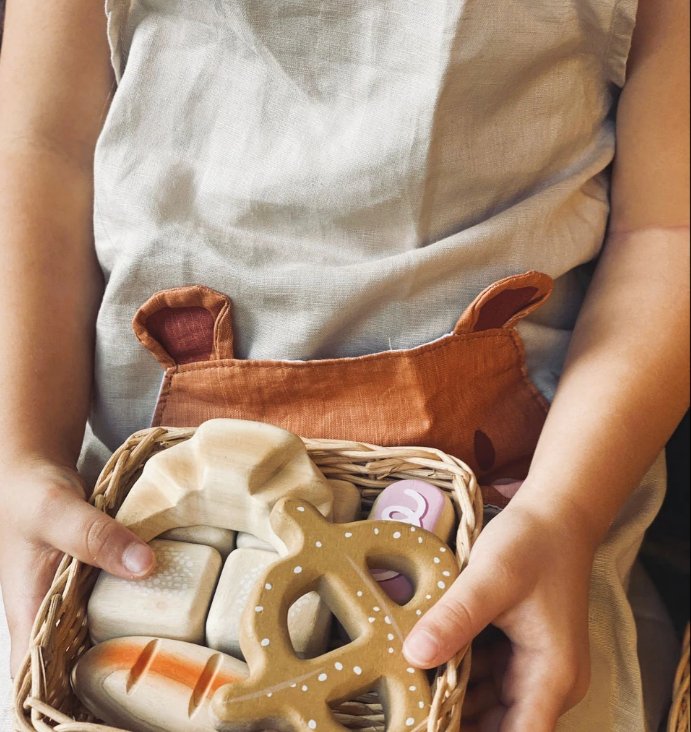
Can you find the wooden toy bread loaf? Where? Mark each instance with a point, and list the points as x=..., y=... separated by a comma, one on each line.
x=241, y=572
x=153, y=685
x=309, y=620
x=250, y=541
x=171, y=603
x=292, y=694
x=229, y=475
x=347, y=501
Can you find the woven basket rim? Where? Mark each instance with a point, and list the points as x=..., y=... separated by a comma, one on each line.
x=60, y=633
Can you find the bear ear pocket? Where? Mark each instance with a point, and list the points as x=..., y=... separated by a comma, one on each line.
x=467, y=393
x=505, y=303
x=186, y=325
x=193, y=324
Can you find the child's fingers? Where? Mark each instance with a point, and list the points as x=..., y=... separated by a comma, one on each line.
x=481, y=668
x=467, y=608
x=25, y=581
x=539, y=688
x=77, y=528
x=480, y=699
x=491, y=651
x=63, y=523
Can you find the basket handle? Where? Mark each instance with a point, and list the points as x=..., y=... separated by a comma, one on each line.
x=186, y=325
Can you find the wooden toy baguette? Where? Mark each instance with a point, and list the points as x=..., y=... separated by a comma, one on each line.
x=146, y=684
x=228, y=475
x=292, y=694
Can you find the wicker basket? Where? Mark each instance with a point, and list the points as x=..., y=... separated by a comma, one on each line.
x=43, y=698
x=680, y=716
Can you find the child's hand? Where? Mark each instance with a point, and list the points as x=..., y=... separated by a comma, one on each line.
x=43, y=513
x=528, y=575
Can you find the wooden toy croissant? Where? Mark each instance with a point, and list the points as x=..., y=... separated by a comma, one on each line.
x=228, y=475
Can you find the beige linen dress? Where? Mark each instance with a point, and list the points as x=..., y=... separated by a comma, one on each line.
x=353, y=173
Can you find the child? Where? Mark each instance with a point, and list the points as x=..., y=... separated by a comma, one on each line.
x=352, y=175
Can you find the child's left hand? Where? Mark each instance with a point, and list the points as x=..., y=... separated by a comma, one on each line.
x=528, y=575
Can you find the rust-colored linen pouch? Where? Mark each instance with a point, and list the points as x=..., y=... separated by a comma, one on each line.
x=467, y=393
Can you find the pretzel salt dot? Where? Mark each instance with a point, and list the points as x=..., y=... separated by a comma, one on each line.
x=297, y=694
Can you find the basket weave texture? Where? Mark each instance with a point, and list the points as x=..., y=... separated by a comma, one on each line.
x=680, y=716
x=43, y=698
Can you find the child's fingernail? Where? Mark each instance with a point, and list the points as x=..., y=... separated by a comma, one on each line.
x=421, y=648
x=138, y=558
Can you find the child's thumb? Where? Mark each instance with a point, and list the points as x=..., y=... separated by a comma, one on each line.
x=469, y=606
x=91, y=536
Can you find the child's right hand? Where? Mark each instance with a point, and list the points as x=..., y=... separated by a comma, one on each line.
x=43, y=514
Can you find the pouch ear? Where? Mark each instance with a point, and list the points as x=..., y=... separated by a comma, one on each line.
x=506, y=302
x=186, y=325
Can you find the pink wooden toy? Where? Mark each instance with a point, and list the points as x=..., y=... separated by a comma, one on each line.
x=419, y=504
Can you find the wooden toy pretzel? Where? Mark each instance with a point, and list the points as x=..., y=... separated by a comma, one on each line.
x=289, y=694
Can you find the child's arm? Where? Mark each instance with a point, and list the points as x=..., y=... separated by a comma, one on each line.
x=55, y=84
x=623, y=390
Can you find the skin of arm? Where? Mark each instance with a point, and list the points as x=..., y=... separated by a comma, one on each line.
x=52, y=104
x=55, y=85
x=626, y=381
x=624, y=388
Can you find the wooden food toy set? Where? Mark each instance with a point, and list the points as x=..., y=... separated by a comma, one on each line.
x=272, y=606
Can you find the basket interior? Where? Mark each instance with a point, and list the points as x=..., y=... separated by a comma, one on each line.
x=43, y=696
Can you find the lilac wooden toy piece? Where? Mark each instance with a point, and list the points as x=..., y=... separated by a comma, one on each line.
x=419, y=504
